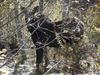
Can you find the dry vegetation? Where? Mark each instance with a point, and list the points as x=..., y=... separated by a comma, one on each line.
x=83, y=57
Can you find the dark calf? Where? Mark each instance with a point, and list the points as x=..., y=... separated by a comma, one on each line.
x=43, y=33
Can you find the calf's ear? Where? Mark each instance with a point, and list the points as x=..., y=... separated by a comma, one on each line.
x=35, y=10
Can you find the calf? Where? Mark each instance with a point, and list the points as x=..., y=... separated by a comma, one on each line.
x=43, y=33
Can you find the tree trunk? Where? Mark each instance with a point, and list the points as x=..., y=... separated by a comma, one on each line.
x=19, y=38
x=65, y=8
x=40, y=6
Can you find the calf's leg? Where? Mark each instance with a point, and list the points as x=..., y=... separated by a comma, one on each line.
x=39, y=54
